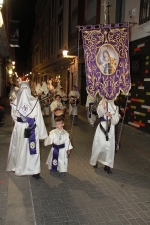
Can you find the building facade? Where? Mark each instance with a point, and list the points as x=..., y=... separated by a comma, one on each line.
x=56, y=29
x=5, y=13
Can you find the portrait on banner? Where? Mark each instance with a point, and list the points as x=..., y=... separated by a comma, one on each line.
x=107, y=59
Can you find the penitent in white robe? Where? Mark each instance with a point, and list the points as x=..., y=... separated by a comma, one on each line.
x=19, y=159
x=73, y=110
x=58, y=137
x=103, y=151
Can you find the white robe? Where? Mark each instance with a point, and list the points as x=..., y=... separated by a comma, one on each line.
x=58, y=137
x=45, y=108
x=103, y=151
x=13, y=93
x=45, y=88
x=63, y=97
x=39, y=89
x=55, y=104
x=73, y=110
x=19, y=158
x=90, y=99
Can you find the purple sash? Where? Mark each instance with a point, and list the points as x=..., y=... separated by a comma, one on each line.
x=90, y=109
x=32, y=138
x=55, y=156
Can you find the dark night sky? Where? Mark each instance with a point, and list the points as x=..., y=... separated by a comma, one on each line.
x=23, y=11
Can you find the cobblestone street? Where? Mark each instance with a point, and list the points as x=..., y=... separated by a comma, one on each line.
x=85, y=195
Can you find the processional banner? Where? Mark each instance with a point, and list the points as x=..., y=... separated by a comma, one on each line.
x=107, y=64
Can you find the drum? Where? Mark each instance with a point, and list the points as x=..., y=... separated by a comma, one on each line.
x=74, y=101
x=64, y=99
x=58, y=112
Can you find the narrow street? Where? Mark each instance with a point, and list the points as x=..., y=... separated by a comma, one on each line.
x=85, y=195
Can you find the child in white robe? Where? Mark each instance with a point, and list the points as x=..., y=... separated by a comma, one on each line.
x=63, y=96
x=56, y=105
x=61, y=145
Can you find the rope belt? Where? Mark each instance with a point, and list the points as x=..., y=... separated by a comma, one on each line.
x=102, y=119
x=19, y=119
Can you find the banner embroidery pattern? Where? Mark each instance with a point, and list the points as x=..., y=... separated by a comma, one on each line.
x=107, y=65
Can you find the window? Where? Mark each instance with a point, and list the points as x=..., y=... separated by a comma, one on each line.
x=60, y=3
x=52, y=45
x=46, y=49
x=91, y=11
x=60, y=36
x=36, y=58
x=144, y=15
x=40, y=55
x=52, y=9
x=120, y=11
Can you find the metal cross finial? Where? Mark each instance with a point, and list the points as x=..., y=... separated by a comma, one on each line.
x=106, y=12
x=108, y=6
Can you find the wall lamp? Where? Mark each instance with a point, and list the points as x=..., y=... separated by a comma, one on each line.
x=65, y=54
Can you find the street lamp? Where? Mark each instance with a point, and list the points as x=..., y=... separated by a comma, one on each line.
x=65, y=54
x=73, y=66
x=13, y=65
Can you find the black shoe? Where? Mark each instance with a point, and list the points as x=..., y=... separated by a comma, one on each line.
x=95, y=165
x=63, y=174
x=108, y=170
x=37, y=176
x=53, y=171
x=105, y=168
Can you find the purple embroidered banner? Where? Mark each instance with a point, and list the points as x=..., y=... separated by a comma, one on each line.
x=107, y=64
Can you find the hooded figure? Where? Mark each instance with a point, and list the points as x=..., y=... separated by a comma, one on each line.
x=24, y=152
x=38, y=89
x=58, y=87
x=103, y=149
x=45, y=88
x=13, y=93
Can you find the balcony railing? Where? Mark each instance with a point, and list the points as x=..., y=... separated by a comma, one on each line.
x=144, y=15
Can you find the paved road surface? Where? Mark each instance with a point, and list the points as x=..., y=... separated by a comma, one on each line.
x=85, y=195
